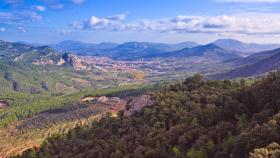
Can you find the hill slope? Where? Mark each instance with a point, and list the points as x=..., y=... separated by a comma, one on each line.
x=29, y=69
x=243, y=61
x=210, y=51
x=194, y=119
x=32, y=118
x=258, y=64
x=81, y=48
x=245, y=49
x=125, y=51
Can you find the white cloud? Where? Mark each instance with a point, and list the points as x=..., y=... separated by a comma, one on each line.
x=76, y=25
x=18, y=17
x=246, y=23
x=118, y=17
x=39, y=8
x=114, y=22
x=21, y=30
x=2, y=29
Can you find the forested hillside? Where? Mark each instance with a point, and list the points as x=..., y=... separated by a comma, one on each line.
x=30, y=119
x=34, y=70
x=194, y=119
x=254, y=65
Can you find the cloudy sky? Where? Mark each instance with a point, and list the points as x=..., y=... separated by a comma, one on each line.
x=171, y=21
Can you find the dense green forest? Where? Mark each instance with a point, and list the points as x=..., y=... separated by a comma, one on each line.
x=25, y=105
x=194, y=119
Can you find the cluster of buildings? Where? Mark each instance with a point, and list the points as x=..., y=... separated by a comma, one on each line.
x=106, y=64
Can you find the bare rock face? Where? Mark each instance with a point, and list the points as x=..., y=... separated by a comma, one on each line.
x=96, y=99
x=3, y=104
x=61, y=62
x=73, y=60
x=43, y=62
x=138, y=104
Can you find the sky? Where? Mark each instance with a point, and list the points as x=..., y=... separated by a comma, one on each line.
x=168, y=21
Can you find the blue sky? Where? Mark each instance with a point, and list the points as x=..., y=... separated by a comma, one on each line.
x=170, y=21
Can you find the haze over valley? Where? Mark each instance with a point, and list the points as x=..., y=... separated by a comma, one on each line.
x=139, y=79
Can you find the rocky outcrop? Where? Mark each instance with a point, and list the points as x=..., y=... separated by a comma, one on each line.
x=61, y=62
x=103, y=99
x=271, y=151
x=18, y=58
x=72, y=60
x=138, y=104
x=3, y=104
x=43, y=62
x=96, y=99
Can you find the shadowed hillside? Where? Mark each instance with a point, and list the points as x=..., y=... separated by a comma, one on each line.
x=257, y=64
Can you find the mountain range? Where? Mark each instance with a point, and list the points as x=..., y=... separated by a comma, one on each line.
x=49, y=90
x=145, y=50
x=81, y=48
x=245, y=49
x=228, y=53
x=24, y=68
x=26, y=54
x=107, y=48
x=135, y=50
x=209, y=51
x=254, y=65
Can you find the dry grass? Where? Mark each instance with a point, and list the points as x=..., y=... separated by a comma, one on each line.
x=81, y=81
x=13, y=141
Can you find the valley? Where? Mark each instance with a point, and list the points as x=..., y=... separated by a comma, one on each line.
x=47, y=92
x=139, y=79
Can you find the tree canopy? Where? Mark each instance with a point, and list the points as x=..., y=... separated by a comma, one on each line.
x=195, y=118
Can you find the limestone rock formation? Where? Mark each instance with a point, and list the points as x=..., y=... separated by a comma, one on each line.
x=72, y=60
x=138, y=104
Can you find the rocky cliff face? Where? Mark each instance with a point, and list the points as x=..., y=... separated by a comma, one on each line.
x=43, y=62
x=72, y=60
x=138, y=104
x=3, y=104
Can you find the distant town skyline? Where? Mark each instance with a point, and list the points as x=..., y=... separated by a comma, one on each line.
x=168, y=21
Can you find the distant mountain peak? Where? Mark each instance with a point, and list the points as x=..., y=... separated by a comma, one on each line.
x=244, y=49
x=72, y=42
x=29, y=43
x=44, y=48
x=211, y=46
x=254, y=65
x=210, y=52
x=135, y=45
x=207, y=47
x=228, y=40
